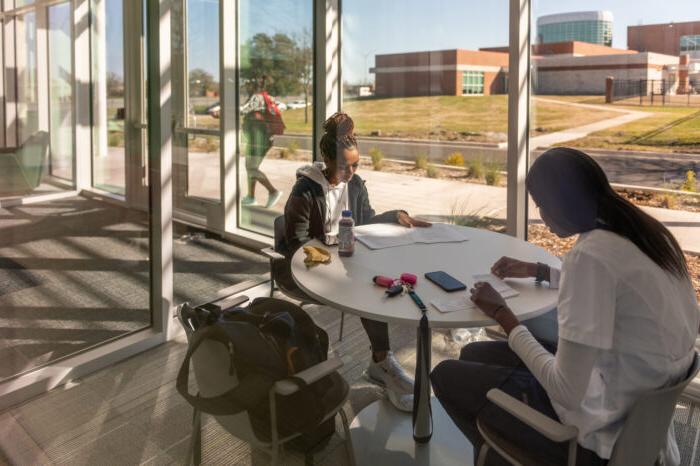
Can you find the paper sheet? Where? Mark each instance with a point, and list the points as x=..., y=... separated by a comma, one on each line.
x=497, y=284
x=380, y=236
x=453, y=303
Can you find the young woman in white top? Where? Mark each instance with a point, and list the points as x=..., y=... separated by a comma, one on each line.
x=627, y=316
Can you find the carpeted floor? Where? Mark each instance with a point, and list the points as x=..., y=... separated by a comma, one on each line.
x=75, y=273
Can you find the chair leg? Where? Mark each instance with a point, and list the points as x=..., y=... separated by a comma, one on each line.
x=483, y=451
x=194, y=452
x=342, y=324
x=348, y=439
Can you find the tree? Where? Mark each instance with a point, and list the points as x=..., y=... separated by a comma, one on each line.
x=115, y=85
x=305, y=60
x=275, y=57
x=202, y=81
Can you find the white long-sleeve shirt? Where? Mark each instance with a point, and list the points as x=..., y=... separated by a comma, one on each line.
x=626, y=327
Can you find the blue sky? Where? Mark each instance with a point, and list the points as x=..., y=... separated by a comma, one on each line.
x=386, y=26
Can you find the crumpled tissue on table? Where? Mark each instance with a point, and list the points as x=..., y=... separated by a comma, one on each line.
x=316, y=255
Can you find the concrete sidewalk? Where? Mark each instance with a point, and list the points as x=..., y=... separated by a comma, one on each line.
x=570, y=134
x=443, y=199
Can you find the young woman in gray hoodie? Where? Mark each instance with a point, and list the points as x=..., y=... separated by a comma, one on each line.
x=313, y=211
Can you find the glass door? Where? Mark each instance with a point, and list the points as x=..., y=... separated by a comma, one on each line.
x=196, y=111
x=119, y=107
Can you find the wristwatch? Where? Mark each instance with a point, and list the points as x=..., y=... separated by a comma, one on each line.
x=541, y=272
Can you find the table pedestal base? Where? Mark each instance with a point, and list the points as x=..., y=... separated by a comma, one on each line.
x=381, y=434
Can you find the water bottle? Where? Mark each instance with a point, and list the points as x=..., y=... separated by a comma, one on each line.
x=346, y=238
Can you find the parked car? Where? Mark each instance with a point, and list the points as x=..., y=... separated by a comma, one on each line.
x=214, y=110
x=281, y=105
x=298, y=104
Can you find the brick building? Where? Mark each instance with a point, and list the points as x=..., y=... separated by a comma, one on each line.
x=443, y=72
x=668, y=39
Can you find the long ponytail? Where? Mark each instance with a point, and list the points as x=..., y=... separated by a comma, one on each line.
x=648, y=234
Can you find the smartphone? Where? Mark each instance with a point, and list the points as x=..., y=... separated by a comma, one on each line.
x=445, y=281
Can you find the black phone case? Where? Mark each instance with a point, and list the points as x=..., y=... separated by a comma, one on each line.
x=449, y=287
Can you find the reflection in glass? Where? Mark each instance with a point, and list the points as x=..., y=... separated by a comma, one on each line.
x=203, y=109
x=276, y=70
x=631, y=103
x=109, y=115
x=60, y=91
x=427, y=88
x=27, y=109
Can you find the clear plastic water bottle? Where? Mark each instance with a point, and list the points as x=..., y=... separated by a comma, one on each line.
x=346, y=237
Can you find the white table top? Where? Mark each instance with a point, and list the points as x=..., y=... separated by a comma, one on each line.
x=346, y=282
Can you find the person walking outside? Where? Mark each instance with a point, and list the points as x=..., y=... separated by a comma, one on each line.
x=261, y=121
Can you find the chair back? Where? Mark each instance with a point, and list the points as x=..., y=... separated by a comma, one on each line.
x=215, y=375
x=279, y=227
x=645, y=430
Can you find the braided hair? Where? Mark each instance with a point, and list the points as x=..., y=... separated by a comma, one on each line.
x=338, y=135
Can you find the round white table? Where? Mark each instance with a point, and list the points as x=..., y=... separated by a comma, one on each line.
x=346, y=284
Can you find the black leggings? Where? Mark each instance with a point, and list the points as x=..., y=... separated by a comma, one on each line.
x=461, y=386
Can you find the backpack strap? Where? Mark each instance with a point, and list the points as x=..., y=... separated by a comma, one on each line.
x=246, y=395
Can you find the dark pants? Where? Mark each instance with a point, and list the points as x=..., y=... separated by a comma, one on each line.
x=378, y=332
x=461, y=386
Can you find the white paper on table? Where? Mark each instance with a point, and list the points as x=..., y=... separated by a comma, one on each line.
x=382, y=235
x=453, y=303
x=497, y=284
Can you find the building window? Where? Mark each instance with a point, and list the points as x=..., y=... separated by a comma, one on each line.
x=472, y=82
x=690, y=43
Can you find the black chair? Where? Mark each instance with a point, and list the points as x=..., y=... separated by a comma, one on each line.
x=278, y=264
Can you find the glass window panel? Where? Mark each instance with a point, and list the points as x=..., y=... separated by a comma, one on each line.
x=276, y=60
x=75, y=270
x=400, y=51
x=203, y=110
x=61, y=91
x=27, y=108
x=657, y=95
x=109, y=163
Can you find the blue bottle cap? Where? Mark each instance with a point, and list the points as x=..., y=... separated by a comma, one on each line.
x=347, y=213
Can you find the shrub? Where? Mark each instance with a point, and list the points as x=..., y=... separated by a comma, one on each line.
x=431, y=171
x=115, y=139
x=669, y=201
x=456, y=159
x=690, y=183
x=422, y=161
x=293, y=147
x=492, y=175
x=377, y=157
x=475, y=168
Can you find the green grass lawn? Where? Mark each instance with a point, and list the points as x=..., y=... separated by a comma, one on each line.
x=642, y=134
x=477, y=118
x=485, y=119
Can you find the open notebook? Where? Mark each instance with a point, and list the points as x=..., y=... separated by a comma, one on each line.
x=383, y=235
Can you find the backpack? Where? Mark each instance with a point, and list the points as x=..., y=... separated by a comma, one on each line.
x=272, y=116
x=268, y=340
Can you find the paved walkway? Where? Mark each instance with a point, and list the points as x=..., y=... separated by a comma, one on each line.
x=444, y=199
x=547, y=140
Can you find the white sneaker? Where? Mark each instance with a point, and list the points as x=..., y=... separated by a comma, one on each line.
x=248, y=200
x=399, y=385
x=273, y=199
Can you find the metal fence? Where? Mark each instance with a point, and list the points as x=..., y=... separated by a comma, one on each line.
x=656, y=92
